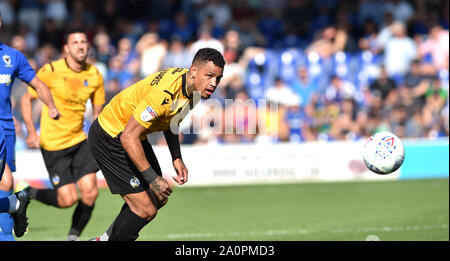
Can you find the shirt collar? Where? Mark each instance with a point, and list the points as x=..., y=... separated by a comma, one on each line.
x=184, y=86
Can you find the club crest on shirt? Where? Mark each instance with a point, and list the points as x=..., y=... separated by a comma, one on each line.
x=134, y=182
x=55, y=180
x=7, y=60
x=148, y=114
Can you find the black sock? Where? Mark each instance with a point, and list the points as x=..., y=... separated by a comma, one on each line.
x=46, y=196
x=127, y=225
x=80, y=218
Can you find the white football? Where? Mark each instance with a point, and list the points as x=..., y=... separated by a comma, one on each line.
x=383, y=153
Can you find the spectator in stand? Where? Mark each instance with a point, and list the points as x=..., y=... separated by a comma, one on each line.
x=217, y=32
x=436, y=97
x=233, y=86
x=101, y=67
x=152, y=53
x=233, y=75
x=239, y=121
x=31, y=39
x=385, y=32
x=103, y=47
x=400, y=51
x=18, y=43
x=177, y=55
x=414, y=77
x=128, y=55
x=304, y=86
x=415, y=125
x=182, y=28
x=333, y=39
x=56, y=10
x=370, y=10
x=339, y=89
x=205, y=40
x=46, y=54
x=118, y=72
x=368, y=42
x=232, y=41
x=384, y=87
x=344, y=40
x=217, y=9
x=436, y=46
x=113, y=87
x=401, y=10
x=279, y=93
x=297, y=122
x=249, y=34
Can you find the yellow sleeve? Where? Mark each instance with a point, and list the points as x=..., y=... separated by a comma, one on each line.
x=32, y=92
x=45, y=75
x=150, y=109
x=98, y=97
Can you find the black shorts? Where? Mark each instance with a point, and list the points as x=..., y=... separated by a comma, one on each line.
x=120, y=173
x=69, y=165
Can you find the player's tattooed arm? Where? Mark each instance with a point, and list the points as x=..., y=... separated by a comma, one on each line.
x=160, y=188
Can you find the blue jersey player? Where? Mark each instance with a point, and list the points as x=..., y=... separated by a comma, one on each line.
x=14, y=64
x=14, y=205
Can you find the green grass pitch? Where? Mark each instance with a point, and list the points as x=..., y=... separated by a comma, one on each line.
x=351, y=211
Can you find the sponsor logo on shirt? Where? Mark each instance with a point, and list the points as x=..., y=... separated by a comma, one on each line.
x=5, y=78
x=148, y=114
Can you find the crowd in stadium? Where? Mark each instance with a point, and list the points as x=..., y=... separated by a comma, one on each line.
x=337, y=70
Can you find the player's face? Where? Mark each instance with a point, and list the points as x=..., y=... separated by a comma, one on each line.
x=77, y=47
x=207, y=77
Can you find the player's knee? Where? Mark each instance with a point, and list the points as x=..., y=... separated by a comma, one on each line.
x=6, y=182
x=6, y=186
x=66, y=201
x=150, y=213
x=146, y=212
x=89, y=196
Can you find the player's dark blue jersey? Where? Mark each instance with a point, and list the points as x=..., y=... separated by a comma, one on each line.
x=12, y=64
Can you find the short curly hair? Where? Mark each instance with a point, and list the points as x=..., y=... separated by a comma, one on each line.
x=209, y=54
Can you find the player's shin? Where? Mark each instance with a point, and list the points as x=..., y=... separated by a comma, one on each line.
x=46, y=196
x=127, y=225
x=80, y=218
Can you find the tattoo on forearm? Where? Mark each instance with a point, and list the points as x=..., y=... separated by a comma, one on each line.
x=154, y=186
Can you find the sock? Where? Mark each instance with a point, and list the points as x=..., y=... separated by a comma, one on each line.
x=107, y=234
x=6, y=221
x=46, y=196
x=127, y=225
x=14, y=204
x=4, y=205
x=80, y=218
